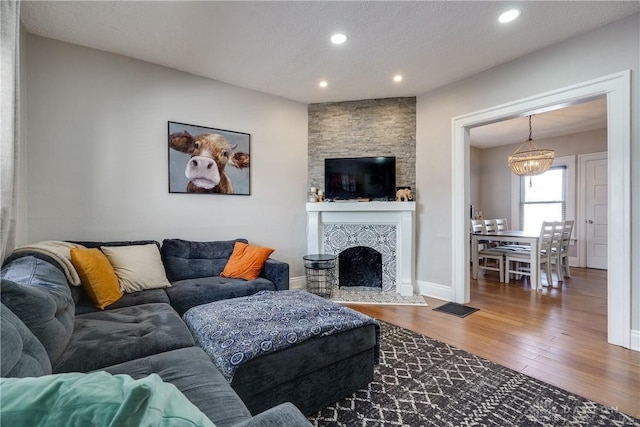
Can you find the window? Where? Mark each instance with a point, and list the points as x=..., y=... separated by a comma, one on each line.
x=546, y=197
x=543, y=198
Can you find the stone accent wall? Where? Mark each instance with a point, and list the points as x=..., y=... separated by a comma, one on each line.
x=368, y=128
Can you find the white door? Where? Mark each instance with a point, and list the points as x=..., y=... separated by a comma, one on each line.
x=596, y=208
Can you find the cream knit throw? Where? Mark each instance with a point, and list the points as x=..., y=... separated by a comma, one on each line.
x=59, y=251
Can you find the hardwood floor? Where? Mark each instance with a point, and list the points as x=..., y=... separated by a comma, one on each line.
x=557, y=335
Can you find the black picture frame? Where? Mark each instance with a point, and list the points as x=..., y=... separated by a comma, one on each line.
x=205, y=160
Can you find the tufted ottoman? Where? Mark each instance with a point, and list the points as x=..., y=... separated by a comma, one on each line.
x=287, y=346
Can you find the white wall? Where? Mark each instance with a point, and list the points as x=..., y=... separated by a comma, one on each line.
x=475, y=178
x=97, y=153
x=601, y=52
x=495, y=178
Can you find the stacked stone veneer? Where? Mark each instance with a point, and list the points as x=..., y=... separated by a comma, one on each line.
x=368, y=128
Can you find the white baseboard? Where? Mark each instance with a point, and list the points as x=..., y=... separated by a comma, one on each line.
x=299, y=282
x=635, y=340
x=435, y=290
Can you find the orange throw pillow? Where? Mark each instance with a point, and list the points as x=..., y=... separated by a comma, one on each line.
x=98, y=278
x=246, y=261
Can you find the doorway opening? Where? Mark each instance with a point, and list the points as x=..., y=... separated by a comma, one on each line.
x=617, y=89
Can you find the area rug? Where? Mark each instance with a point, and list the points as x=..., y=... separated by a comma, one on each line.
x=362, y=296
x=424, y=382
x=456, y=309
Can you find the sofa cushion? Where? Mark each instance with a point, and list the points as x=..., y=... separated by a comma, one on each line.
x=138, y=267
x=109, y=337
x=185, y=294
x=185, y=259
x=21, y=354
x=246, y=261
x=149, y=296
x=193, y=373
x=88, y=399
x=97, y=276
x=38, y=293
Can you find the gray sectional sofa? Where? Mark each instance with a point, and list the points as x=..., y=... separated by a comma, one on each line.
x=49, y=327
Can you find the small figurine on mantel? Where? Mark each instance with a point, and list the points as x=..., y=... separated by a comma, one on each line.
x=404, y=194
x=316, y=195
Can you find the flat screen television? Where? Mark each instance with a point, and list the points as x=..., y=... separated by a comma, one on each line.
x=360, y=177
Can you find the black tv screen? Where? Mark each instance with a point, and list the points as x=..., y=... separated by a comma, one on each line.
x=360, y=177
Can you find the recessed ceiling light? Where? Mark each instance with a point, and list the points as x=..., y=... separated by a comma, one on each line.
x=509, y=16
x=323, y=83
x=338, y=38
x=397, y=78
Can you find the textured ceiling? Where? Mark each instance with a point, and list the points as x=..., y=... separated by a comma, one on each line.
x=283, y=48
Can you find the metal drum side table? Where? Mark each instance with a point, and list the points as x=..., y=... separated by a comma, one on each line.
x=321, y=273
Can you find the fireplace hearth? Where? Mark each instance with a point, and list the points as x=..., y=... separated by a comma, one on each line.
x=360, y=266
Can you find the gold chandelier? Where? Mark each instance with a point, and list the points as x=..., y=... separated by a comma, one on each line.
x=534, y=161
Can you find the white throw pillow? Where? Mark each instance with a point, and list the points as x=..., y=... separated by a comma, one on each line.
x=138, y=267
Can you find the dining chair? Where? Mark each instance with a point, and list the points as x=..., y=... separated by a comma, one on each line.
x=491, y=226
x=490, y=256
x=477, y=226
x=550, y=236
x=502, y=224
x=561, y=252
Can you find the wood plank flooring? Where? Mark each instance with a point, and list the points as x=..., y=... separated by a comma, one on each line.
x=556, y=335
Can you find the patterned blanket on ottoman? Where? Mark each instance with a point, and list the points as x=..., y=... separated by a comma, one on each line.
x=234, y=331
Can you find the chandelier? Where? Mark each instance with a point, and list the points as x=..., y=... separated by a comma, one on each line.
x=533, y=161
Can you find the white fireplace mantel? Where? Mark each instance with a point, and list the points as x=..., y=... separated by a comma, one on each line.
x=399, y=214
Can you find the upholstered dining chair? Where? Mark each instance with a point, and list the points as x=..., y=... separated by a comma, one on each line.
x=515, y=260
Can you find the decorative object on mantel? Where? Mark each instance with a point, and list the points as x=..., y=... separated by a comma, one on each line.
x=534, y=161
x=315, y=195
x=404, y=194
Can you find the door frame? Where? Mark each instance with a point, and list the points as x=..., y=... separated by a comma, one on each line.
x=617, y=88
x=581, y=218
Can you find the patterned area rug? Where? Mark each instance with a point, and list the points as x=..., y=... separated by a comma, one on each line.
x=368, y=296
x=424, y=382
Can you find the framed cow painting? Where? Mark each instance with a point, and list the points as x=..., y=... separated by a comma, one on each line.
x=208, y=160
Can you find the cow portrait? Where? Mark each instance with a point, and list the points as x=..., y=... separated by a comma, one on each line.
x=210, y=162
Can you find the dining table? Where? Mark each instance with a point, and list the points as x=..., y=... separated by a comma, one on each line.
x=529, y=237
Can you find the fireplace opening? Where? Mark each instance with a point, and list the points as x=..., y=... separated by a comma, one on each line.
x=360, y=266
